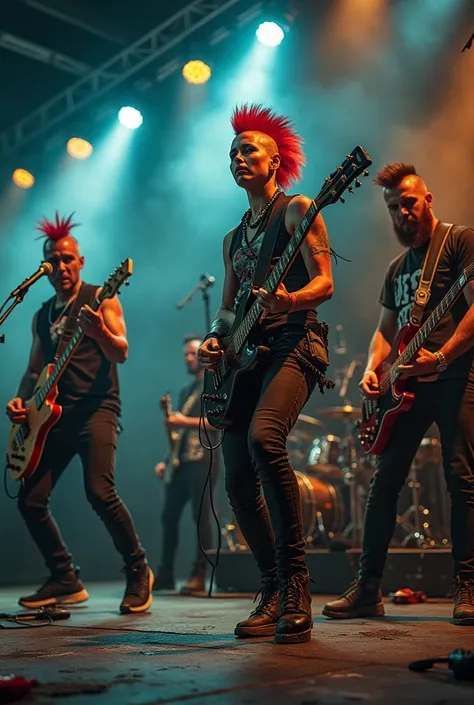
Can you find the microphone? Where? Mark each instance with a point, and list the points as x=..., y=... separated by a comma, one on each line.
x=340, y=347
x=207, y=280
x=45, y=268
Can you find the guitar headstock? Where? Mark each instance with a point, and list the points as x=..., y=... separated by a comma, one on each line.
x=341, y=180
x=119, y=277
x=165, y=404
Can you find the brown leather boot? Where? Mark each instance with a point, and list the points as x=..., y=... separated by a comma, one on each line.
x=296, y=621
x=464, y=602
x=262, y=621
x=362, y=599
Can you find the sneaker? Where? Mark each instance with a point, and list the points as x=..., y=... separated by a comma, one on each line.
x=296, y=620
x=464, y=603
x=362, y=599
x=263, y=620
x=195, y=584
x=59, y=590
x=138, y=596
x=164, y=580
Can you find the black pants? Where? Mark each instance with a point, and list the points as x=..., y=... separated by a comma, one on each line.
x=449, y=404
x=94, y=440
x=186, y=486
x=255, y=454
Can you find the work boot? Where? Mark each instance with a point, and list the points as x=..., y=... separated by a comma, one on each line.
x=362, y=599
x=138, y=596
x=65, y=589
x=262, y=621
x=463, y=614
x=195, y=584
x=296, y=620
x=164, y=579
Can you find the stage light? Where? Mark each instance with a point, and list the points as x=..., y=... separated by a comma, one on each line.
x=196, y=72
x=129, y=117
x=23, y=178
x=79, y=148
x=270, y=34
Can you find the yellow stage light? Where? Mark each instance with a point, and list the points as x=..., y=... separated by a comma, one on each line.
x=79, y=148
x=196, y=72
x=23, y=178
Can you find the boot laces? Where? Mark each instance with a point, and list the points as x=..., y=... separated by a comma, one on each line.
x=292, y=595
x=268, y=595
x=465, y=592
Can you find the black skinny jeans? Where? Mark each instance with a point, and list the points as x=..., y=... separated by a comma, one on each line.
x=449, y=404
x=255, y=454
x=186, y=486
x=94, y=439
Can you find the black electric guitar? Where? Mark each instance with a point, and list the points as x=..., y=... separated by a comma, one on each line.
x=221, y=396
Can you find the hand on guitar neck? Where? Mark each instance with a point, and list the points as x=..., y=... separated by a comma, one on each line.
x=210, y=353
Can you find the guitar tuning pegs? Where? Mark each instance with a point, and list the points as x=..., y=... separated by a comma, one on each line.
x=127, y=283
x=357, y=183
x=366, y=173
x=327, y=179
x=343, y=200
x=350, y=189
x=348, y=156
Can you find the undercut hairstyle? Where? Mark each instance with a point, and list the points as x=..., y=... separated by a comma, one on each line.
x=257, y=118
x=392, y=175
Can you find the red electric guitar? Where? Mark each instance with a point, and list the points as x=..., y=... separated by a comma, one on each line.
x=27, y=439
x=379, y=415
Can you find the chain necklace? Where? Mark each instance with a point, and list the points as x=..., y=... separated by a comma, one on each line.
x=54, y=326
x=261, y=215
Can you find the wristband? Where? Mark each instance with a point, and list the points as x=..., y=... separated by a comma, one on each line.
x=220, y=329
x=442, y=364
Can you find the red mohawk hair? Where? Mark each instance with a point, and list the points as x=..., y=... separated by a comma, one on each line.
x=256, y=118
x=57, y=229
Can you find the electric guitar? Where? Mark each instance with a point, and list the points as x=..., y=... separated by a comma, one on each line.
x=27, y=439
x=379, y=415
x=223, y=393
x=174, y=440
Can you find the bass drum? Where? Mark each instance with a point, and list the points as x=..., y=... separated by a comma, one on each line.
x=322, y=509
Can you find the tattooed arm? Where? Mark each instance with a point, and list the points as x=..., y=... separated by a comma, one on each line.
x=316, y=254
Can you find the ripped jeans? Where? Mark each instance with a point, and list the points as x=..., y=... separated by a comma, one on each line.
x=255, y=453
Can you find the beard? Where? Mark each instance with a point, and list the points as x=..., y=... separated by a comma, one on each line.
x=415, y=233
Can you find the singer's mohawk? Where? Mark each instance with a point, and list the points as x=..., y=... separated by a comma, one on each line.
x=57, y=229
x=257, y=118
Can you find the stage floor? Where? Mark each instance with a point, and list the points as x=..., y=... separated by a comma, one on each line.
x=184, y=651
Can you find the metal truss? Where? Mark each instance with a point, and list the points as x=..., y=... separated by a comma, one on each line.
x=135, y=57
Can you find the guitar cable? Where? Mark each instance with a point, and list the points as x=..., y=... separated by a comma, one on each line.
x=209, y=481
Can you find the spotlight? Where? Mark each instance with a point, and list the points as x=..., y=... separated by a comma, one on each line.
x=129, y=117
x=196, y=72
x=79, y=148
x=23, y=178
x=270, y=34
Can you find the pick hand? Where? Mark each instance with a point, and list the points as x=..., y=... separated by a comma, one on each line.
x=279, y=302
x=425, y=363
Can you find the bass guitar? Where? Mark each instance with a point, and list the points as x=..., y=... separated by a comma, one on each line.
x=27, y=439
x=222, y=389
x=378, y=415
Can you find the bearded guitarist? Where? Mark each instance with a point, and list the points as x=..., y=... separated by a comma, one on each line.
x=187, y=479
x=442, y=379
x=90, y=401
x=266, y=156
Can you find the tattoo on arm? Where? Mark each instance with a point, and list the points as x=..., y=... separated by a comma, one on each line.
x=321, y=244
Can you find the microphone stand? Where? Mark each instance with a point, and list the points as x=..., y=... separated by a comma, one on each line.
x=18, y=299
x=206, y=281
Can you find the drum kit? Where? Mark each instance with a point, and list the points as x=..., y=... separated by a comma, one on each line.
x=334, y=474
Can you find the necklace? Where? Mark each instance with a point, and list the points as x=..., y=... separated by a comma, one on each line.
x=56, y=327
x=262, y=213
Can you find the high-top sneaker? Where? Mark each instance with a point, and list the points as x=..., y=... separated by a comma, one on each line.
x=195, y=584
x=464, y=602
x=138, y=596
x=164, y=580
x=262, y=621
x=362, y=599
x=296, y=621
x=64, y=589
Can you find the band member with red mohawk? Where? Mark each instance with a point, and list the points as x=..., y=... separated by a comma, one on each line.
x=89, y=396
x=266, y=156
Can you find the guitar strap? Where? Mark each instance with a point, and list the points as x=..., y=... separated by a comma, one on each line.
x=269, y=241
x=423, y=292
x=83, y=297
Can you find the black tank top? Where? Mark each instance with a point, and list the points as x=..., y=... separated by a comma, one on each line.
x=244, y=259
x=89, y=380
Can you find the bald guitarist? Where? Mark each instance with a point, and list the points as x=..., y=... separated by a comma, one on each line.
x=185, y=472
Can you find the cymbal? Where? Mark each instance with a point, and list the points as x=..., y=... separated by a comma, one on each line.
x=307, y=423
x=341, y=412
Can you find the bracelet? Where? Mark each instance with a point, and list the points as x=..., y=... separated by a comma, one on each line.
x=442, y=363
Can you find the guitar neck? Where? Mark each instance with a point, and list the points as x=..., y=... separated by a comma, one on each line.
x=240, y=335
x=430, y=324
x=62, y=361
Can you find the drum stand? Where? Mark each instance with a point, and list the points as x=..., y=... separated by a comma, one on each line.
x=354, y=528
x=414, y=519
